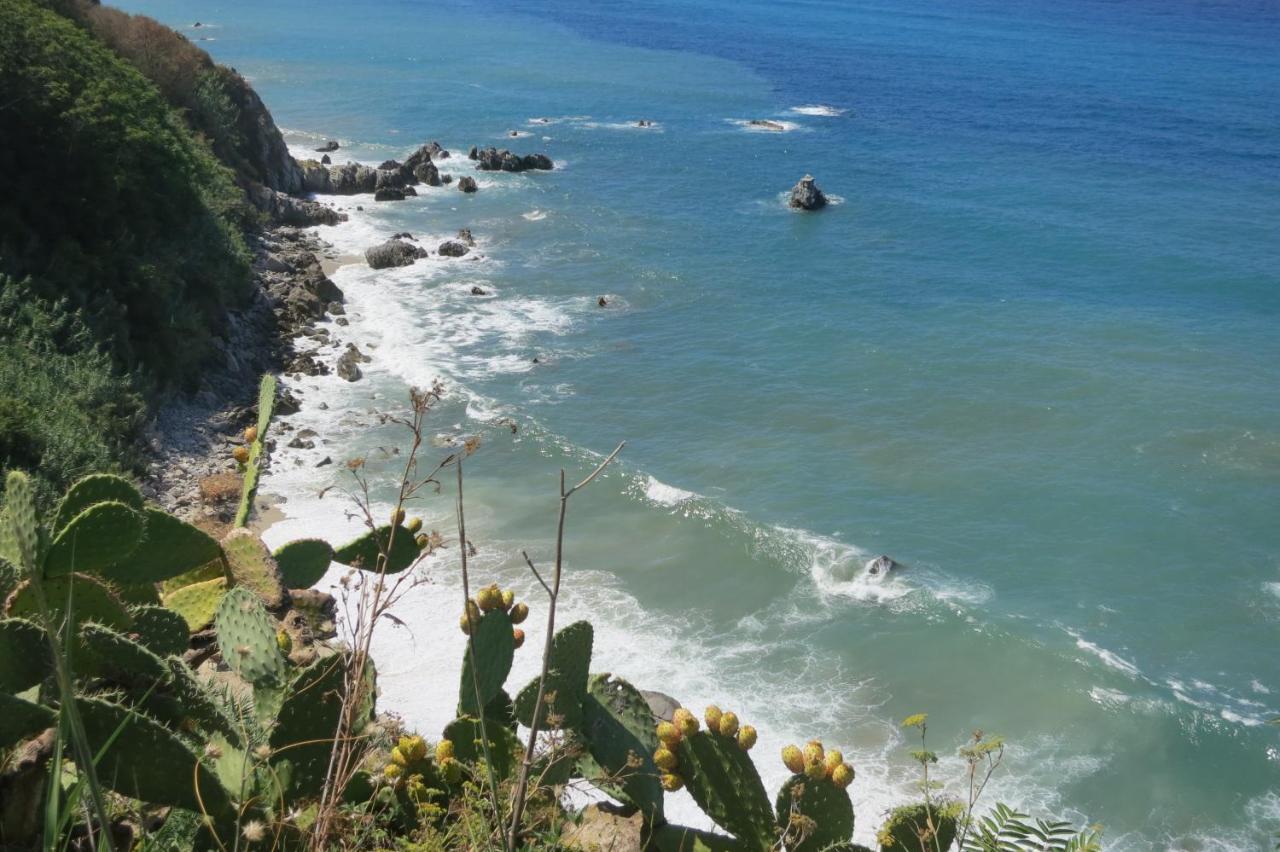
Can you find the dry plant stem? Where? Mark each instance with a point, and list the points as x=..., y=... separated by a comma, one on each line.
x=345, y=757
x=471, y=651
x=522, y=786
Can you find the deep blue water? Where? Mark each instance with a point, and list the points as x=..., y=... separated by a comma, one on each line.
x=1032, y=353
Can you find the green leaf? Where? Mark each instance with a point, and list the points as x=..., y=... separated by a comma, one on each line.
x=303, y=562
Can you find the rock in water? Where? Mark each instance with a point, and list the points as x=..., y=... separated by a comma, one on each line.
x=325, y=161
x=805, y=195
x=452, y=248
x=493, y=160
x=882, y=566
x=388, y=193
x=466, y=183
x=327, y=147
x=393, y=253
x=427, y=173
x=464, y=234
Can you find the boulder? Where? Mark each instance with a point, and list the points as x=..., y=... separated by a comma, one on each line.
x=464, y=235
x=474, y=153
x=477, y=290
x=389, y=165
x=882, y=566
x=408, y=190
x=466, y=183
x=427, y=173
x=605, y=827
x=391, y=179
x=315, y=176
x=352, y=179
x=347, y=363
x=541, y=162
x=452, y=248
x=393, y=253
x=661, y=705
x=446, y=178
x=388, y=193
x=806, y=195
x=327, y=147
x=437, y=152
x=325, y=161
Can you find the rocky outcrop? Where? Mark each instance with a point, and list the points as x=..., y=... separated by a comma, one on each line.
x=328, y=147
x=494, y=160
x=882, y=566
x=348, y=362
x=427, y=173
x=286, y=210
x=806, y=195
x=388, y=193
x=352, y=179
x=261, y=154
x=393, y=253
x=452, y=248
x=392, y=178
x=464, y=235
x=466, y=183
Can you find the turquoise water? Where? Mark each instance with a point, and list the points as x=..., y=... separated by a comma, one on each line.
x=1032, y=353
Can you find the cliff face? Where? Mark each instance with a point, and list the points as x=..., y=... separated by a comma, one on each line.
x=263, y=149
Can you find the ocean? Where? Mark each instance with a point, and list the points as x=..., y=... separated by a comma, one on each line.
x=1031, y=351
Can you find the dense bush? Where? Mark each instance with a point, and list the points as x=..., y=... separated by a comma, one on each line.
x=108, y=201
x=64, y=410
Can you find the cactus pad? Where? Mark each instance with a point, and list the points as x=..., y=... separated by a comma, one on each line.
x=24, y=654
x=679, y=838
x=901, y=831
x=493, y=648
x=198, y=703
x=468, y=745
x=145, y=761
x=96, y=488
x=308, y=721
x=198, y=602
x=98, y=537
x=725, y=784
x=252, y=567
x=618, y=728
x=363, y=553
x=19, y=527
x=21, y=719
x=117, y=655
x=91, y=600
x=162, y=630
x=169, y=548
x=825, y=804
x=567, y=679
x=302, y=563
x=247, y=638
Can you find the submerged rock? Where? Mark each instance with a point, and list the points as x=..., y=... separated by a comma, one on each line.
x=765, y=124
x=393, y=253
x=805, y=195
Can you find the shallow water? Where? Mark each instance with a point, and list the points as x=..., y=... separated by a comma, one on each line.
x=1032, y=354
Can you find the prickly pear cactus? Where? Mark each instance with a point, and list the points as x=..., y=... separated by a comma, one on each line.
x=617, y=727
x=566, y=681
x=266, y=404
x=169, y=548
x=308, y=720
x=247, y=638
x=724, y=782
x=908, y=827
x=252, y=567
x=24, y=655
x=814, y=813
x=142, y=759
x=162, y=630
x=198, y=703
x=197, y=603
x=116, y=655
x=493, y=648
x=97, y=538
x=303, y=562
x=679, y=838
x=93, y=489
x=91, y=600
x=19, y=527
x=21, y=719
x=365, y=552
x=468, y=744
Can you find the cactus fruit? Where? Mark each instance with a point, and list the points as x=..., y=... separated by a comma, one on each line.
x=728, y=724
x=98, y=537
x=508, y=599
x=365, y=552
x=842, y=775
x=250, y=434
x=247, y=638
x=517, y=637
x=487, y=662
x=197, y=603
x=665, y=759
x=813, y=752
x=393, y=771
x=241, y=455
x=397, y=518
x=832, y=759
x=414, y=748
x=668, y=734
x=284, y=642
x=465, y=624
x=672, y=782
x=519, y=613
x=303, y=562
x=793, y=759
x=823, y=810
x=712, y=717
x=746, y=737
x=451, y=771
x=817, y=770
x=686, y=723
x=398, y=757
x=251, y=566
x=444, y=751
x=489, y=598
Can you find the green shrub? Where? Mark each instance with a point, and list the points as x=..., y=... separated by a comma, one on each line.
x=108, y=201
